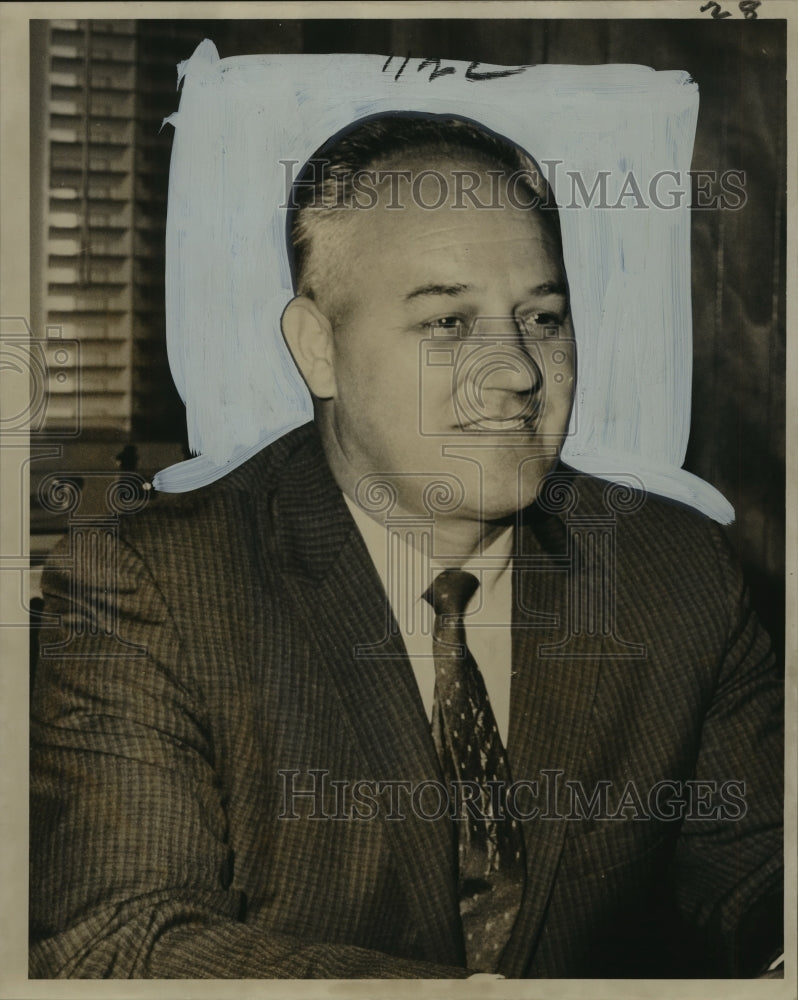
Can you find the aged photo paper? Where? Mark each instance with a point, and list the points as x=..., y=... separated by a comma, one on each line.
x=149, y=359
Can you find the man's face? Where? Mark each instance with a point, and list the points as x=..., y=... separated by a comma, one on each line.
x=453, y=360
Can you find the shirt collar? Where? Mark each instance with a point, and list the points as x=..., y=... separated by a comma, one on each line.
x=490, y=566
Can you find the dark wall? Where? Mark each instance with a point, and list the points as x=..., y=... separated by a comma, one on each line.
x=738, y=257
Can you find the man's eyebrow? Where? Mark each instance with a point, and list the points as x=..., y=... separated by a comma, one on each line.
x=546, y=288
x=450, y=290
x=550, y=288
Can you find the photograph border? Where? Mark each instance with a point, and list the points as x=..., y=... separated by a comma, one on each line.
x=15, y=287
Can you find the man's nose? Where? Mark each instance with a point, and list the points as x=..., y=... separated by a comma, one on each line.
x=506, y=370
x=500, y=381
x=500, y=360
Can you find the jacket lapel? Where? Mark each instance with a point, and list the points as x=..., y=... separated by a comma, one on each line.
x=551, y=699
x=333, y=583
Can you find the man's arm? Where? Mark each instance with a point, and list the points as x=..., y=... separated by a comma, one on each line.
x=728, y=868
x=129, y=854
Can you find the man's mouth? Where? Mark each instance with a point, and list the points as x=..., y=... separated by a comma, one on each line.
x=510, y=425
x=526, y=420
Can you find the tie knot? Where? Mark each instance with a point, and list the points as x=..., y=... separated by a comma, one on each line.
x=450, y=591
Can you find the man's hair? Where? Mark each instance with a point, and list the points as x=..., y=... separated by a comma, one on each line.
x=323, y=192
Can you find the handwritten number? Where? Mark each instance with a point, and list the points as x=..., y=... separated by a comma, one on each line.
x=747, y=7
x=402, y=67
x=717, y=12
x=471, y=72
x=437, y=71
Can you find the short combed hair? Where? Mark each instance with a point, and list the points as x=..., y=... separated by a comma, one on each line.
x=324, y=186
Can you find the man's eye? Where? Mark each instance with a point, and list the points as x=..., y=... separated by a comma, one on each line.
x=544, y=319
x=452, y=325
x=544, y=324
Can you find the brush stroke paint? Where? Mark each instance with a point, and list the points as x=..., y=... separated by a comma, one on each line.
x=627, y=129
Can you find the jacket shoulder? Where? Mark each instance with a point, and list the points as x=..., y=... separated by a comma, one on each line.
x=228, y=501
x=628, y=502
x=647, y=528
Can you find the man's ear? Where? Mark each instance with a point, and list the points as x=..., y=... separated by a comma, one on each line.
x=308, y=334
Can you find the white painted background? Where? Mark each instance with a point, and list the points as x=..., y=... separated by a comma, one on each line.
x=228, y=279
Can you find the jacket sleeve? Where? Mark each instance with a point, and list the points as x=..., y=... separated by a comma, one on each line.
x=728, y=870
x=129, y=855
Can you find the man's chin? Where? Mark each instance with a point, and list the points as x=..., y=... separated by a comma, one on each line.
x=518, y=493
x=498, y=510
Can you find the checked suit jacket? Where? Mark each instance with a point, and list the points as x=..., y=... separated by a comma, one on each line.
x=165, y=841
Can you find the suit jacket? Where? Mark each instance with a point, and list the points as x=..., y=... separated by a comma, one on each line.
x=245, y=656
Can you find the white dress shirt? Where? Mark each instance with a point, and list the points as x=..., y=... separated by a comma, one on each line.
x=406, y=574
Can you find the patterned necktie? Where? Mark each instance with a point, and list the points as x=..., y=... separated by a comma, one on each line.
x=490, y=844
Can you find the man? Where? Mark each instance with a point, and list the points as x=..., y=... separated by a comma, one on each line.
x=410, y=704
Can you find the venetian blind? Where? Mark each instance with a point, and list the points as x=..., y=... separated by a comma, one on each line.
x=88, y=248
